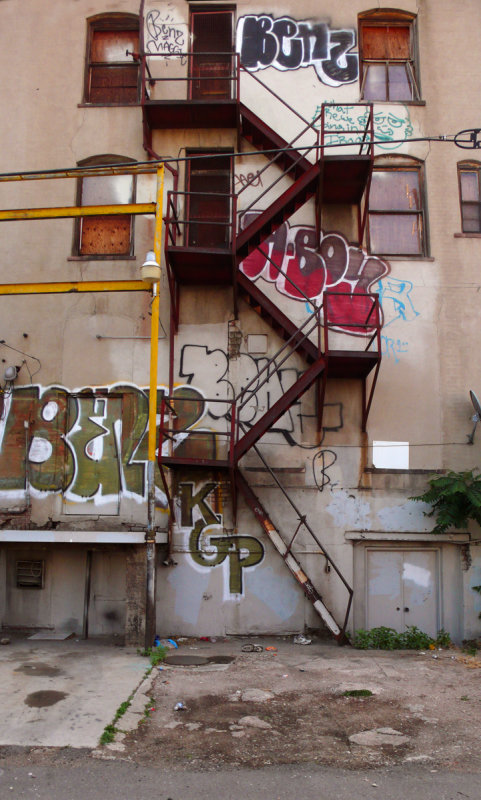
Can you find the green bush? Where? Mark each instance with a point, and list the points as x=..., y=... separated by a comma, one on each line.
x=412, y=638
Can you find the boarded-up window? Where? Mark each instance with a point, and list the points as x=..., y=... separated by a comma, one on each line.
x=112, y=74
x=388, y=69
x=105, y=235
x=470, y=197
x=396, y=213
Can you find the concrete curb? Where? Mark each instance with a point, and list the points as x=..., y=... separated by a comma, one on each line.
x=131, y=719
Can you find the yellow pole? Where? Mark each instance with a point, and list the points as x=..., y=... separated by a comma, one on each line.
x=150, y=617
x=154, y=328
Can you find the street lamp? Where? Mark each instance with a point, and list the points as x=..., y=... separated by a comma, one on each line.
x=150, y=269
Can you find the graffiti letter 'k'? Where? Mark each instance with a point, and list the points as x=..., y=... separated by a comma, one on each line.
x=188, y=501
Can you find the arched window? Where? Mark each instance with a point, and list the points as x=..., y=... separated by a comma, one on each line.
x=105, y=236
x=469, y=176
x=387, y=56
x=112, y=73
x=397, y=208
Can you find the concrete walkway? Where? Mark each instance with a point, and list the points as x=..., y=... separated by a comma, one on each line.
x=63, y=693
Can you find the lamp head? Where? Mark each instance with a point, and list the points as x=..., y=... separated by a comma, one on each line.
x=150, y=269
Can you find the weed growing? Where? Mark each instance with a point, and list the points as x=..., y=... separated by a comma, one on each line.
x=412, y=638
x=108, y=735
x=155, y=654
x=357, y=693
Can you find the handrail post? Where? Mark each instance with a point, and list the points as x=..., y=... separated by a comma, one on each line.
x=233, y=423
x=325, y=301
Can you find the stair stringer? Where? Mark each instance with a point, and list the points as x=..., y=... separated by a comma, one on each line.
x=290, y=561
x=282, y=405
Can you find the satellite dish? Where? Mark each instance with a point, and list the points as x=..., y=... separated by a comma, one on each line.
x=476, y=417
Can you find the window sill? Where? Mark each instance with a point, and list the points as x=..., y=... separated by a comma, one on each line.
x=395, y=102
x=102, y=258
x=137, y=104
x=402, y=258
x=467, y=235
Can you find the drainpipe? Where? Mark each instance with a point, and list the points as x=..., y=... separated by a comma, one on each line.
x=150, y=620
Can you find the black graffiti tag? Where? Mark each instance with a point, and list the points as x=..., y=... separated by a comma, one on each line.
x=287, y=44
x=321, y=462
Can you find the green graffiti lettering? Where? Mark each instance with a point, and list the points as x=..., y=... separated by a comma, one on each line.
x=135, y=415
x=50, y=462
x=189, y=500
x=93, y=440
x=199, y=532
x=242, y=552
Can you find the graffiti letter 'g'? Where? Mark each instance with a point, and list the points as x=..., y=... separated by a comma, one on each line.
x=210, y=551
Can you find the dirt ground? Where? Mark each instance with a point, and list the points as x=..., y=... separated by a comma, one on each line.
x=299, y=713
x=433, y=698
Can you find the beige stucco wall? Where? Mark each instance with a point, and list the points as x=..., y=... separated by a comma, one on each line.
x=430, y=357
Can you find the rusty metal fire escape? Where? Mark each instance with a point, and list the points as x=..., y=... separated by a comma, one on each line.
x=313, y=173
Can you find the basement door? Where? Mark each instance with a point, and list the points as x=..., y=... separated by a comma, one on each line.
x=212, y=59
x=402, y=589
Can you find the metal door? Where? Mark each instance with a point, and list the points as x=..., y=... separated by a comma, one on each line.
x=209, y=201
x=402, y=589
x=212, y=60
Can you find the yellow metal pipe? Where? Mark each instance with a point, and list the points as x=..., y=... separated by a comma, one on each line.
x=73, y=286
x=154, y=328
x=63, y=212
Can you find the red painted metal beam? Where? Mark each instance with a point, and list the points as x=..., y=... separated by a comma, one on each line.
x=280, y=210
x=279, y=408
x=248, y=289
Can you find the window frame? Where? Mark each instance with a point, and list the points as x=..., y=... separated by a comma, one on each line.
x=402, y=164
x=390, y=18
x=114, y=21
x=93, y=161
x=473, y=167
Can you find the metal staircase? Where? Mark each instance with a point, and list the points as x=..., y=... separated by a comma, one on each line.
x=314, y=173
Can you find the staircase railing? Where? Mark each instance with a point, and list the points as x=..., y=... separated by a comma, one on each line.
x=291, y=346
x=304, y=524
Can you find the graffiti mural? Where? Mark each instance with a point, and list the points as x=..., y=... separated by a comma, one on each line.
x=392, y=126
x=335, y=264
x=164, y=35
x=287, y=44
x=90, y=445
x=209, y=546
x=199, y=364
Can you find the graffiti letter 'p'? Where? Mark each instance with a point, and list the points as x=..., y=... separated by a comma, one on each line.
x=207, y=550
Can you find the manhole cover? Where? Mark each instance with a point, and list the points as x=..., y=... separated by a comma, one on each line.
x=186, y=661
x=179, y=660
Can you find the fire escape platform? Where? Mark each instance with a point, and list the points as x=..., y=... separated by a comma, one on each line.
x=344, y=178
x=195, y=265
x=210, y=113
x=173, y=461
x=355, y=364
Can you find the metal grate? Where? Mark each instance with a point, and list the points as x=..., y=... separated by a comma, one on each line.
x=30, y=574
